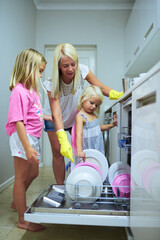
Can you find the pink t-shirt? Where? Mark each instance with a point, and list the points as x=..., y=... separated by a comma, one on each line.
x=25, y=106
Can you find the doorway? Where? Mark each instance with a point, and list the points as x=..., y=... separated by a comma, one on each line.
x=87, y=56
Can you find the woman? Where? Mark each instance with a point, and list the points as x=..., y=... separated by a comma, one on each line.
x=64, y=90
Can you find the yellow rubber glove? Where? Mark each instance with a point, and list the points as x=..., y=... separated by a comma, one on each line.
x=66, y=149
x=114, y=95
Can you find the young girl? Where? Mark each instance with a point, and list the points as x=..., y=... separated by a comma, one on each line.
x=88, y=130
x=24, y=126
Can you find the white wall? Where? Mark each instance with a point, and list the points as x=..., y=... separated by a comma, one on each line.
x=104, y=28
x=17, y=32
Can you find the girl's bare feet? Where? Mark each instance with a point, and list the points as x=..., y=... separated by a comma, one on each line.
x=33, y=227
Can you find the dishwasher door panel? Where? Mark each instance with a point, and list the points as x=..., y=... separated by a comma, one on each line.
x=113, y=212
x=145, y=199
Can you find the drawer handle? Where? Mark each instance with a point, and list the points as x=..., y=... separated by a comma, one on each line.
x=146, y=100
x=148, y=32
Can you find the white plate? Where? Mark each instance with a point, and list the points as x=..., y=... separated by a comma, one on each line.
x=117, y=168
x=141, y=160
x=84, y=183
x=96, y=157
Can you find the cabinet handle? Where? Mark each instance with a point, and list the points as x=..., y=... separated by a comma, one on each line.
x=146, y=100
x=135, y=52
x=148, y=31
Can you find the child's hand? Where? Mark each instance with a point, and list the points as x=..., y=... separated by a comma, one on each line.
x=81, y=155
x=31, y=154
x=115, y=120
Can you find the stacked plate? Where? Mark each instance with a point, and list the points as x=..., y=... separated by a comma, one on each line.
x=119, y=178
x=85, y=182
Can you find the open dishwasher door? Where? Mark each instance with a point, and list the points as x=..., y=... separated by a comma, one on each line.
x=107, y=210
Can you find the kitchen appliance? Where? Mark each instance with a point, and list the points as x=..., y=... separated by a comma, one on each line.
x=145, y=162
x=83, y=205
x=106, y=136
x=114, y=151
x=125, y=131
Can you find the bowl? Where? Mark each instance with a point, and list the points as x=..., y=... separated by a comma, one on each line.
x=84, y=184
x=90, y=165
x=121, y=185
x=116, y=169
x=97, y=158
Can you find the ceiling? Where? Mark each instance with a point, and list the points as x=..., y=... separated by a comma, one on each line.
x=83, y=4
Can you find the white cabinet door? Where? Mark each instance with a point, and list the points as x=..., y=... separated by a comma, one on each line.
x=140, y=29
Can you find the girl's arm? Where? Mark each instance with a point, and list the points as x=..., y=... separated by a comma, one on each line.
x=79, y=136
x=110, y=125
x=107, y=91
x=56, y=112
x=31, y=153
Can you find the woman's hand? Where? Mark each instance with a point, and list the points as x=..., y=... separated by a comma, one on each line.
x=66, y=149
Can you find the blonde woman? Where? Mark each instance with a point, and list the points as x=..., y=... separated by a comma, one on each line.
x=64, y=90
x=24, y=128
x=88, y=131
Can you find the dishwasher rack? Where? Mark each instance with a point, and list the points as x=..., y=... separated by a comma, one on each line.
x=106, y=204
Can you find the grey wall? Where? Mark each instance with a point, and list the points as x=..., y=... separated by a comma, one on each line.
x=17, y=32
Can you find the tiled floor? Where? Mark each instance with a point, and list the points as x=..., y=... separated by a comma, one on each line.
x=8, y=219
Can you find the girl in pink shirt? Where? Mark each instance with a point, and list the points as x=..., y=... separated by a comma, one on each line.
x=24, y=126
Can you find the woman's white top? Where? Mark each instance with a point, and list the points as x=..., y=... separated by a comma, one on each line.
x=68, y=101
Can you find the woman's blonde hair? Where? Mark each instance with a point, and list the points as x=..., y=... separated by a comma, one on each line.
x=26, y=69
x=88, y=92
x=64, y=49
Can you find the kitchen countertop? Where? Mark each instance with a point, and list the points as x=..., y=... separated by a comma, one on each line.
x=128, y=93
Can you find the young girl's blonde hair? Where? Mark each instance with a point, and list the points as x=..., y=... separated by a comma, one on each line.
x=88, y=92
x=26, y=69
x=64, y=49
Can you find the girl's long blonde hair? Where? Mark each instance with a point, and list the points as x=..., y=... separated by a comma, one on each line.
x=64, y=49
x=88, y=92
x=26, y=69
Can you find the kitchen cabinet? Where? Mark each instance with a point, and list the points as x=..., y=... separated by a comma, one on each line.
x=142, y=26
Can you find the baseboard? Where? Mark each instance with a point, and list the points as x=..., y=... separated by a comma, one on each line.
x=6, y=184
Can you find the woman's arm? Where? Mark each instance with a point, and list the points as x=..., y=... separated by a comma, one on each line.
x=79, y=136
x=92, y=79
x=31, y=153
x=56, y=112
x=107, y=91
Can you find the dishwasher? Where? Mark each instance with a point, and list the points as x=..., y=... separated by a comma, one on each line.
x=55, y=205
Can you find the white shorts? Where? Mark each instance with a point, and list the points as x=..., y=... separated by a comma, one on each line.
x=17, y=149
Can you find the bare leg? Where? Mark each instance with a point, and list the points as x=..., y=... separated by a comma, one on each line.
x=22, y=171
x=33, y=174
x=58, y=160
